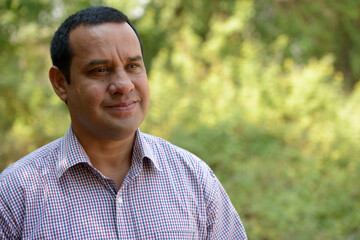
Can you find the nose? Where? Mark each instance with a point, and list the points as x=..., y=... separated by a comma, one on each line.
x=121, y=83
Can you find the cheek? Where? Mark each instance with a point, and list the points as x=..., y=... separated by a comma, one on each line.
x=144, y=91
x=142, y=85
x=90, y=95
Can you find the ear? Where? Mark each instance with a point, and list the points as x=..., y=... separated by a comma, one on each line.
x=58, y=82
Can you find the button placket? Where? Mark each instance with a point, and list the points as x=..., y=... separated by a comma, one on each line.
x=120, y=218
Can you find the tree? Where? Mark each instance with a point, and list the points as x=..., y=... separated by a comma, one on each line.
x=315, y=29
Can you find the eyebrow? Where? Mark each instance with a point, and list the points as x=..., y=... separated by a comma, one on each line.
x=99, y=62
x=136, y=58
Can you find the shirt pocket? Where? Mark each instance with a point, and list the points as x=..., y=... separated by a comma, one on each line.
x=175, y=234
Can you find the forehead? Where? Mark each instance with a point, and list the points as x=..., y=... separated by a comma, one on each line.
x=103, y=37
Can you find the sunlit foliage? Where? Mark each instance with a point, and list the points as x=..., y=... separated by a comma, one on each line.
x=255, y=88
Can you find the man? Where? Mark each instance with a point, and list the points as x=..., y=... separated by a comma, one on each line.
x=105, y=179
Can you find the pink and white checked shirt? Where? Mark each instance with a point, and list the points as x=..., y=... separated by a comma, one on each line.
x=168, y=193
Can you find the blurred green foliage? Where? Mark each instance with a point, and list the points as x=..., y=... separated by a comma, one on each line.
x=264, y=91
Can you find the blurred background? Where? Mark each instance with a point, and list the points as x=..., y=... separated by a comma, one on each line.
x=265, y=91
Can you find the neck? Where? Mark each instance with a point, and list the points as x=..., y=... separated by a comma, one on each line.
x=111, y=157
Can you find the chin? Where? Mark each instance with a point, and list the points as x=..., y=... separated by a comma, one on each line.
x=121, y=132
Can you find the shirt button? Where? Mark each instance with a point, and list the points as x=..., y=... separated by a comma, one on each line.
x=120, y=200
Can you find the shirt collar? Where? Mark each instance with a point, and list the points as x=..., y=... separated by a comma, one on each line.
x=72, y=153
x=143, y=150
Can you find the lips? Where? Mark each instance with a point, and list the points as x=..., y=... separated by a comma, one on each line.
x=122, y=106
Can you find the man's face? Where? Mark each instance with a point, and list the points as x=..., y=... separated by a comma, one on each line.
x=108, y=96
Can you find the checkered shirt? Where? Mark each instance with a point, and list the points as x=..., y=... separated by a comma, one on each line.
x=168, y=193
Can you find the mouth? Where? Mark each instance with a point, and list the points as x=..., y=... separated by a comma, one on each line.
x=123, y=106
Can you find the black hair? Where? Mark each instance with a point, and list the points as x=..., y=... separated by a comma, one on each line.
x=60, y=49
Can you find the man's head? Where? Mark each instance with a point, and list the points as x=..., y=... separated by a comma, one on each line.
x=61, y=51
x=108, y=96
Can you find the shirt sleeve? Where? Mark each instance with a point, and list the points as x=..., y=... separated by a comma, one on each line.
x=223, y=222
x=6, y=225
x=8, y=202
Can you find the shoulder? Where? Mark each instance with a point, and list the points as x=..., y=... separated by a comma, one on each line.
x=29, y=165
x=21, y=183
x=170, y=154
x=182, y=165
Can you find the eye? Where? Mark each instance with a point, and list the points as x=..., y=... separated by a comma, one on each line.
x=133, y=67
x=99, y=71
